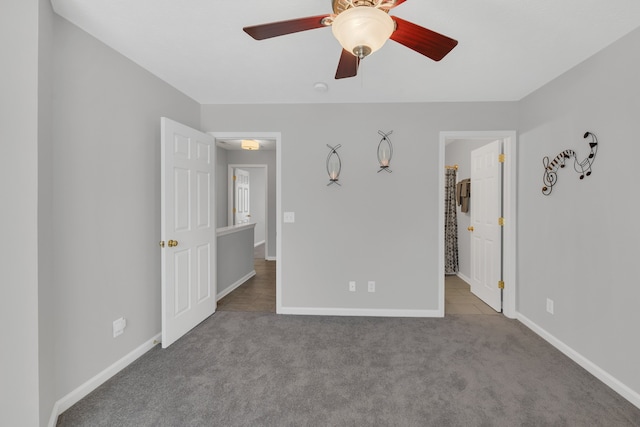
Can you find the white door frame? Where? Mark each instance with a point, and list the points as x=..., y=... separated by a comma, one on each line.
x=230, y=168
x=277, y=136
x=509, y=213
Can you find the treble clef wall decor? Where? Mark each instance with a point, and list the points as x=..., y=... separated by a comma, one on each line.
x=583, y=167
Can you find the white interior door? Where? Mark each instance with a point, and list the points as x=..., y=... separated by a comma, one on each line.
x=486, y=231
x=187, y=229
x=241, y=199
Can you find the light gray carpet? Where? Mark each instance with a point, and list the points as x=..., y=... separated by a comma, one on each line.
x=261, y=369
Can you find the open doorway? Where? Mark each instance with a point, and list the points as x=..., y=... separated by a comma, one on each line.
x=464, y=143
x=260, y=207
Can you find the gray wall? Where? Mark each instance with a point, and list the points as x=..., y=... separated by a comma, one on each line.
x=459, y=153
x=578, y=246
x=377, y=226
x=234, y=256
x=19, y=365
x=46, y=291
x=221, y=187
x=106, y=181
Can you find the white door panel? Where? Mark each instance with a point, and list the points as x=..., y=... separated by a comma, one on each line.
x=486, y=209
x=204, y=200
x=204, y=278
x=241, y=208
x=188, y=279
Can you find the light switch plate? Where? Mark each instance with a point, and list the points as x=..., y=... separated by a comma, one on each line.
x=118, y=326
x=289, y=217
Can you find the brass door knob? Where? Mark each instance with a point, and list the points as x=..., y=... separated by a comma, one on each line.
x=172, y=243
x=470, y=228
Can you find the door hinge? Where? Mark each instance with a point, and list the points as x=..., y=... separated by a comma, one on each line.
x=500, y=284
x=501, y=158
x=501, y=222
x=234, y=210
x=234, y=177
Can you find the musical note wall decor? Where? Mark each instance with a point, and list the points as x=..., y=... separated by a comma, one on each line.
x=550, y=177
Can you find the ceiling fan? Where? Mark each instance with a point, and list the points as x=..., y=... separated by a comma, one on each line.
x=362, y=27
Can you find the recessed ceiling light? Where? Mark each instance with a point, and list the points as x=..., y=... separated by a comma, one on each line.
x=321, y=87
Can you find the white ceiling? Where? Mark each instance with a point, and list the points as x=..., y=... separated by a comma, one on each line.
x=506, y=50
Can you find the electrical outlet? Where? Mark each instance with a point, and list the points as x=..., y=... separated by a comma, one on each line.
x=371, y=286
x=352, y=286
x=118, y=326
x=549, y=306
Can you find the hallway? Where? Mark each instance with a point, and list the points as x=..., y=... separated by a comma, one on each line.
x=257, y=294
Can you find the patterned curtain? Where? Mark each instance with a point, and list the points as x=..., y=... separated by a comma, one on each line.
x=450, y=224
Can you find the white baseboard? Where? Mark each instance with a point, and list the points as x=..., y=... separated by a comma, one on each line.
x=615, y=384
x=233, y=286
x=271, y=258
x=371, y=312
x=255, y=245
x=465, y=278
x=76, y=395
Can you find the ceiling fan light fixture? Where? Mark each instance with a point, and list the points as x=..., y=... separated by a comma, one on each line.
x=250, y=144
x=362, y=30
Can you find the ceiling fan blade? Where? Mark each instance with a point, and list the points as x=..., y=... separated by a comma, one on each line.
x=429, y=43
x=348, y=65
x=274, y=29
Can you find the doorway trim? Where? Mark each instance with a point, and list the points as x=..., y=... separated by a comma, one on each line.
x=509, y=187
x=230, y=168
x=277, y=136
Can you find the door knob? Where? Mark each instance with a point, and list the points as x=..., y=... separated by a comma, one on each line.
x=172, y=243
x=470, y=228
